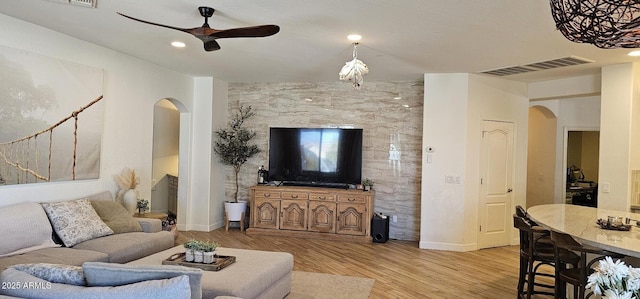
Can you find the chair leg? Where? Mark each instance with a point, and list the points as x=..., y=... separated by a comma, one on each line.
x=226, y=222
x=522, y=276
x=560, y=287
x=242, y=222
x=530, y=279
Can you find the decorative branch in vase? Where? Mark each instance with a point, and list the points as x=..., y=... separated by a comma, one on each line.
x=127, y=195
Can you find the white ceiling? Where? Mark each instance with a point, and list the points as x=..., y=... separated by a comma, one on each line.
x=402, y=39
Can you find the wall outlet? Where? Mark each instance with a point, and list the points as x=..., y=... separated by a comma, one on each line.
x=394, y=218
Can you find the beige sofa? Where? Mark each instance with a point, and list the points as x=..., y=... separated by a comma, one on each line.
x=28, y=236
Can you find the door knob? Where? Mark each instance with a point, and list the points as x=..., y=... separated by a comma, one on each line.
x=509, y=190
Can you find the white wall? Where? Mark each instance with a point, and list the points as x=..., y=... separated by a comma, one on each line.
x=454, y=107
x=166, y=133
x=220, y=112
x=578, y=113
x=132, y=86
x=618, y=98
x=541, y=161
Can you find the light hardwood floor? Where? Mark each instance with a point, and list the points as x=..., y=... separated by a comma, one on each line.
x=400, y=268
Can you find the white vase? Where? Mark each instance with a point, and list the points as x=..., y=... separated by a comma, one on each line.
x=208, y=257
x=235, y=210
x=130, y=199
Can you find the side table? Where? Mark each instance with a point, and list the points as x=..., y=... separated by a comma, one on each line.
x=161, y=216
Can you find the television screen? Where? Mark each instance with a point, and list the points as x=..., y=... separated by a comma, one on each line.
x=315, y=156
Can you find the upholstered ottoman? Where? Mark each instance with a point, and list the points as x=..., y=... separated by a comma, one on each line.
x=255, y=274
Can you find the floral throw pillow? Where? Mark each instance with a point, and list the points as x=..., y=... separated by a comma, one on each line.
x=75, y=221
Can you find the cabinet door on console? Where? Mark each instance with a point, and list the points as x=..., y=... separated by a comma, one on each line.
x=352, y=215
x=322, y=216
x=293, y=214
x=266, y=213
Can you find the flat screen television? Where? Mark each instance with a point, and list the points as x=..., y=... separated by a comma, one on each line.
x=325, y=157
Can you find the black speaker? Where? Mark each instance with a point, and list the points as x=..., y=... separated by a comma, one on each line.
x=380, y=228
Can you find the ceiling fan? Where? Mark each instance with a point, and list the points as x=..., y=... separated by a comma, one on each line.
x=209, y=35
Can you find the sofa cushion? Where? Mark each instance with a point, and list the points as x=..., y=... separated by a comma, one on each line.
x=57, y=273
x=105, y=274
x=59, y=255
x=114, y=215
x=15, y=238
x=173, y=288
x=123, y=248
x=75, y=221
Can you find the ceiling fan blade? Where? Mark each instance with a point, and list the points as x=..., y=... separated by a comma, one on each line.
x=187, y=30
x=254, y=31
x=210, y=43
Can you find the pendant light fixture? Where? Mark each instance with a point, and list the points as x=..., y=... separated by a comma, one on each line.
x=603, y=23
x=355, y=69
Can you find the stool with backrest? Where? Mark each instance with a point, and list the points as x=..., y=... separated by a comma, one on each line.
x=577, y=274
x=534, y=255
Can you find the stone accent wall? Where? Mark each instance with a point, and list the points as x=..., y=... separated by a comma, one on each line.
x=390, y=114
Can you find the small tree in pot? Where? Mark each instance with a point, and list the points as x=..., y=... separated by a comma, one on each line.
x=232, y=145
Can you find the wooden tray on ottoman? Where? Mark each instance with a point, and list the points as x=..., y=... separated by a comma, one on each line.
x=221, y=262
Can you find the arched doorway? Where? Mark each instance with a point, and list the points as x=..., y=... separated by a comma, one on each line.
x=169, y=157
x=541, y=157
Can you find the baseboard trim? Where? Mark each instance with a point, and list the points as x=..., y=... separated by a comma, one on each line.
x=448, y=246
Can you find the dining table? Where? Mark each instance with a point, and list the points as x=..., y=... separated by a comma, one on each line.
x=581, y=223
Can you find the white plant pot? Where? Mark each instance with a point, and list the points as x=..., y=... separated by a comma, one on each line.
x=130, y=200
x=235, y=210
x=209, y=257
x=198, y=256
x=188, y=256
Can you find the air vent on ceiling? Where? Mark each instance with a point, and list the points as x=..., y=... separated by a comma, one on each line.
x=538, y=66
x=84, y=3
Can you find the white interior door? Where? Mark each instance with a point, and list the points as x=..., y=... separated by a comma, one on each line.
x=496, y=177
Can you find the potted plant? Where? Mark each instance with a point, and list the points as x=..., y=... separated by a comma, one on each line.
x=367, y=184
x=142, y=205
x=233, y=147
x=209, y=249
x=189, y=247
x=198, y=253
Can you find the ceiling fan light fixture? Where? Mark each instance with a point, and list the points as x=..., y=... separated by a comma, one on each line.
x=178, y=44
x=209, y=35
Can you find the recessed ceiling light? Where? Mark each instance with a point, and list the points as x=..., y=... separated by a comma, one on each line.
x=634, y=53
x=397, y=98
x=354, y=37
x=405, y=106
x=308, y=100
x=178, y=44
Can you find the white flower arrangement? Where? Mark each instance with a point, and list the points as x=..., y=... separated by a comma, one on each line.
x=615, y=280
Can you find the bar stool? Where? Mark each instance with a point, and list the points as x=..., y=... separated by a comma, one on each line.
x=534, y=255
x=578, y=274
x=540, y=234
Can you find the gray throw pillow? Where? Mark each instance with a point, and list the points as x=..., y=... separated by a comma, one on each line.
x=75, y=221
x=107, y=274
x=36, y=288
